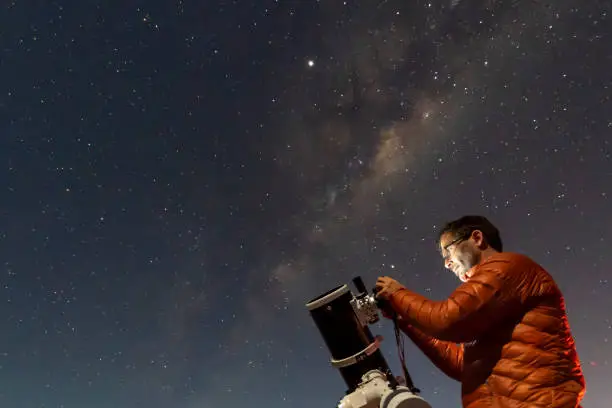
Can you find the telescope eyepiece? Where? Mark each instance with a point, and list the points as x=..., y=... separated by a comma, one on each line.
x=359, y=285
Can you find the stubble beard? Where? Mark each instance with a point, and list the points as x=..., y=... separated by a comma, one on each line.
x=467, y=261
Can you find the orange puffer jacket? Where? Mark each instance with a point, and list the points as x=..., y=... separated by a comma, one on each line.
x=503, y=334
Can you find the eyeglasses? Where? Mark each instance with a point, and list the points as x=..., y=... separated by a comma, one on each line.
x=445, y=252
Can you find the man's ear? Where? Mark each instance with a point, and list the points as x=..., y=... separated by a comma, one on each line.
x=479, y=239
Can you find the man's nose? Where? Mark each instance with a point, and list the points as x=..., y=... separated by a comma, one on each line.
x=448, y=263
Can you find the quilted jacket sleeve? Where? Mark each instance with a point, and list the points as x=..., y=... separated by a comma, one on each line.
x=470, y=310
x=447, y=356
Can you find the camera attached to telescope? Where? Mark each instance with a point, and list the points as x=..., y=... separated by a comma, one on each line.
x=343, y=319
x=367, y=305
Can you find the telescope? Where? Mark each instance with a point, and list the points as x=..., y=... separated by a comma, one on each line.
x=343, y=319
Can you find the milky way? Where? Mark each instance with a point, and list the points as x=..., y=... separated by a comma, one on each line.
x=182, y=177
x=387, y=105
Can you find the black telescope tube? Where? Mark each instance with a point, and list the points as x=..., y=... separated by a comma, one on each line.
x=344, y=334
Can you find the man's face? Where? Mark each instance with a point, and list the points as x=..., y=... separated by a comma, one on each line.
x=460, y=254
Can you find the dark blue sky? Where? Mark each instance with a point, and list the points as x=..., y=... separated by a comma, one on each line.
x=180, y=177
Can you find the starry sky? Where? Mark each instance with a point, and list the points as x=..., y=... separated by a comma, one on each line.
x=180, y=177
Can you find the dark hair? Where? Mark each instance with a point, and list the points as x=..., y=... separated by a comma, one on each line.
x=464, y=226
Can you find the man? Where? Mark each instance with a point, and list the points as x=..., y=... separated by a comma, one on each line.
x=503, y=333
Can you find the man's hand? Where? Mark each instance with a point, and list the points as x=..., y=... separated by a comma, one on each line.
x=386, y=286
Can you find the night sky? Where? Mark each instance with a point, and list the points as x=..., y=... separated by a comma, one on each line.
x=180, y=177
